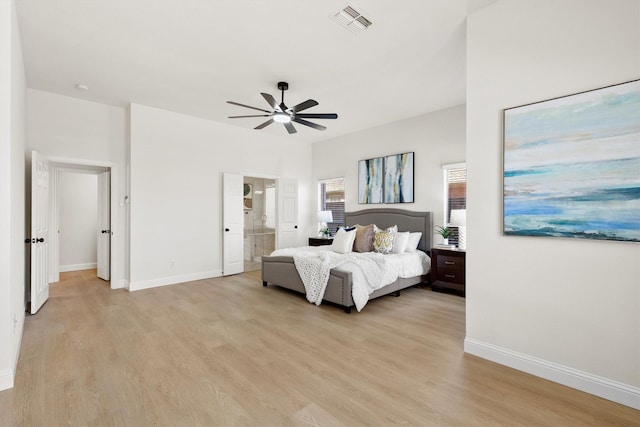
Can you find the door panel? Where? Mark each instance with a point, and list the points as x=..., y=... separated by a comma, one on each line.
x=232, y=224
x=39, y=231
x=104, y=225
x=287, y=225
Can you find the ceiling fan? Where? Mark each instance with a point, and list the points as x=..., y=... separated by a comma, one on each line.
x=285, y=115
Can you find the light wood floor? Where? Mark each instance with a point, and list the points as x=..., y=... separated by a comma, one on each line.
x=226, y=352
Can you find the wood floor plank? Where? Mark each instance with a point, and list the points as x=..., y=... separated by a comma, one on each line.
x=228, y=351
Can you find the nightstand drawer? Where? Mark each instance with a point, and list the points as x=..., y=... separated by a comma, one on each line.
x=453, y=275
x=450, y=262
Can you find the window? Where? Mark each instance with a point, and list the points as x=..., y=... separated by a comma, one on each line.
x=455, y=194
x=331, y=198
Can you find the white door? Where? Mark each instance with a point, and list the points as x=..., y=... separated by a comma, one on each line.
x=104, y=225
x=287, y=224
x=232, y=224
x=39, y=230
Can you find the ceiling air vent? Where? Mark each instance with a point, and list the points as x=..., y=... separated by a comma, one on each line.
x=352, y=19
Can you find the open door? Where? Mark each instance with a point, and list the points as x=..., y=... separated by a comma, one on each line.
x=39, y=231
x=232, y=224
x=287, y=215
x=104, y=226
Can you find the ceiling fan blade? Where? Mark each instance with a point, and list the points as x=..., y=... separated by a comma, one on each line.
x=257, y=115
x=317, y=115
x=304, y=105
x=290, y=127
x=307, y=123
x=248, y=106
x=271, y=100
x=264, y=125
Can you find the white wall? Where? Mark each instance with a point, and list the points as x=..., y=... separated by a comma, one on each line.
x=177, y=163
x=78, y=221
x=565, y=309
x=12, y=196
x=437, y=138
x=70, y=128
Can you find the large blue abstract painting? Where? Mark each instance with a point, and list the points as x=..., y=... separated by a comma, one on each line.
x=572, y=166
x=370, y=175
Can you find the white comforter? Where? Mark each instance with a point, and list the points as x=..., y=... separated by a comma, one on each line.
x=369, y=271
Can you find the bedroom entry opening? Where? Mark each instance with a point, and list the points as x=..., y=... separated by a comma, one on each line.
x=259, y=203
x=80, y=219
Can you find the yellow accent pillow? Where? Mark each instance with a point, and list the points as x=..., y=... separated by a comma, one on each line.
x=383, y=239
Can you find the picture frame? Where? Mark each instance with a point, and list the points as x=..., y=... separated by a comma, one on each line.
x=571, y=166
x=370, y=180
x=399, y=178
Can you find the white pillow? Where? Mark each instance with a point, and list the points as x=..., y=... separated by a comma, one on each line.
x=414, y=241
x=343, y=241
x=400, y=243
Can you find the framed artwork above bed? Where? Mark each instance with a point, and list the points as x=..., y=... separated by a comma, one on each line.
x=386, y=179
x=370, y=175
x=398, y=178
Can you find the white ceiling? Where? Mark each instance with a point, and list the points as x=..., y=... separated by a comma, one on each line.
x=190, y=56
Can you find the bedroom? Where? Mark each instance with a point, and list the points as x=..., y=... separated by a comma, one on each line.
x=582, y=318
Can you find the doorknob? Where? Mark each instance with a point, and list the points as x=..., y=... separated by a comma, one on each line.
x=226, y=229
x=40, y=240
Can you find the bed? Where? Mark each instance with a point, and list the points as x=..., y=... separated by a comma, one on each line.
x=281, y=271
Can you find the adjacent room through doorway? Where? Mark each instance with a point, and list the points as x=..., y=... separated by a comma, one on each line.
x=259, y=200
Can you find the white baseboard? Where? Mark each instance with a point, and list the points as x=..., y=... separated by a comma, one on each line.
x=18, y=339
x=603, y=387
x=120, y=284
x=7, y=376
x=6, y=379
x=164, y=281
x=76, y=267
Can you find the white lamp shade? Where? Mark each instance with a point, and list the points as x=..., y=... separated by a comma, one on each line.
x=325, y=216
x=458, y=218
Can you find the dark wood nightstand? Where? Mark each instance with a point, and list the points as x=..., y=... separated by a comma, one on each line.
x=448, y=269
x=320, y=241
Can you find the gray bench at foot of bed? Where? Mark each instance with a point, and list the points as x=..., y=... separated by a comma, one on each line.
x=281, y=271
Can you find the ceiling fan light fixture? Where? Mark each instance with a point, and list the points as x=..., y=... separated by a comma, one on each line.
x=281, y=118
x=285, y=115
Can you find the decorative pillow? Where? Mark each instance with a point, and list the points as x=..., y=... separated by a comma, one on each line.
x=343, y=241
x=400, y=244
x=364, y=238
x=383, y=240
x=346, y=228
x=413, y=242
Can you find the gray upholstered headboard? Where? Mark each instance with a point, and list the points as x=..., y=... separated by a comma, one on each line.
x=405, y=220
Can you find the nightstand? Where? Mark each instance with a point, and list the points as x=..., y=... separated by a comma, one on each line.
x=320, y=241
x=448, y=269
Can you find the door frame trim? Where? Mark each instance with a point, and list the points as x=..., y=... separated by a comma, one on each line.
x=64, y=164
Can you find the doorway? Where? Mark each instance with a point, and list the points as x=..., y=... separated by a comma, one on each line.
x=258, y=215
x=79, y=220
x=259, y=205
